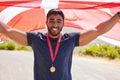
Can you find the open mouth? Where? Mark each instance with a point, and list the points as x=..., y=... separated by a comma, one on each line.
x=54, y=29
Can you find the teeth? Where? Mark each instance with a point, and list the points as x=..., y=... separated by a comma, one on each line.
x=54, y=29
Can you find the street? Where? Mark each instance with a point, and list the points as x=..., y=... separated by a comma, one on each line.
x=18, y=65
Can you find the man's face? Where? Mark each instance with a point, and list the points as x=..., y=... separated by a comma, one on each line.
x=54, y=24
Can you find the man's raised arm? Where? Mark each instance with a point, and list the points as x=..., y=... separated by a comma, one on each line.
x=102, y=28
x=16, y=35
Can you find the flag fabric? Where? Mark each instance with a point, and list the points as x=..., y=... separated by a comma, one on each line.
x=30, y=15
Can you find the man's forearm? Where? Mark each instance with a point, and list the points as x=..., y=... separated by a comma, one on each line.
x=106, y=26
x=3, y=28
x=14, y=34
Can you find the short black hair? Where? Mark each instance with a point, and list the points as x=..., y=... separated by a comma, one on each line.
x=55, y=11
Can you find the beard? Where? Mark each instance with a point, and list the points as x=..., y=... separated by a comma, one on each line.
x=54, y=33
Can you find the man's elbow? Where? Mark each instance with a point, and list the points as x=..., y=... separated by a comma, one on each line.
x=83, y=43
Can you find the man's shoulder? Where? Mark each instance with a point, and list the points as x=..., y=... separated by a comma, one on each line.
x=39, y=35
x=70, y=35
x=36, y=33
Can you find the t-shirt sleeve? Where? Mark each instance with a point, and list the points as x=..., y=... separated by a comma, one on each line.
x=29, y=38
x=73, y=37
x=76, y=38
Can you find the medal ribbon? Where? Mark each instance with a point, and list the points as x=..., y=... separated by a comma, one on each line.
x=50, y=47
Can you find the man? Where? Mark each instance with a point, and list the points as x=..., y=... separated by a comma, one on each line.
x=53, y=50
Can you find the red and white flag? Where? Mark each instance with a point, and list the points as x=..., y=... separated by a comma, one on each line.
x=29, y=15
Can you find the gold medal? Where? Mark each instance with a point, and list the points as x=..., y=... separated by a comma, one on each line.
x=52, y=69
x=53, y=55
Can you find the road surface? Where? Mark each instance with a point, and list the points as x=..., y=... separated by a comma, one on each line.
x=18, y=65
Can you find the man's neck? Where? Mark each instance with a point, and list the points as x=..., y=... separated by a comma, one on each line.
x=54, y=37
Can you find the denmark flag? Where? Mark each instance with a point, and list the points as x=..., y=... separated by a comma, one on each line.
x=30, y=15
